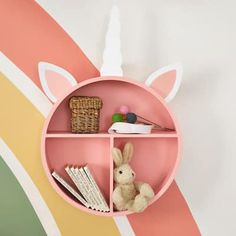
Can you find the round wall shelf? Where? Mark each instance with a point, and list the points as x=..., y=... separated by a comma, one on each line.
x=156, y=155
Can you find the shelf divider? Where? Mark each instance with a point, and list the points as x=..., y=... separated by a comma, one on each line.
x=111, y=172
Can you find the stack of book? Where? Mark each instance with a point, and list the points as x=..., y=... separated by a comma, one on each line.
x=89, y=193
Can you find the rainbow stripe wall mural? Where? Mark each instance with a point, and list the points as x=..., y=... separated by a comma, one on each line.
x=28, y=203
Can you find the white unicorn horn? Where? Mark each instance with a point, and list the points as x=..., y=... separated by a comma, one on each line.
x=112, y=58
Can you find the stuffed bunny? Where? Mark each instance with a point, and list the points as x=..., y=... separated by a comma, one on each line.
x=128, y=195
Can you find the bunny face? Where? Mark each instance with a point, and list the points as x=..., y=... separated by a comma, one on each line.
x=124, y=174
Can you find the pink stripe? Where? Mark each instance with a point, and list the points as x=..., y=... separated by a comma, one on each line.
x=30, y=35
x=169, y=216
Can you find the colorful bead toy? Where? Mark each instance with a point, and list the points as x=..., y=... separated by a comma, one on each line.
x=132, y=118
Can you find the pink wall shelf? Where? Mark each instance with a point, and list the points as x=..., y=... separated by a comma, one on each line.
x=156, y=155
x=106, y=135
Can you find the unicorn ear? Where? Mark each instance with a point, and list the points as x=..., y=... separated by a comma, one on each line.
x=54, y=80
x=166, y=81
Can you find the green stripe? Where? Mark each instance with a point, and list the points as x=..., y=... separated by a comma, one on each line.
x=17, y=216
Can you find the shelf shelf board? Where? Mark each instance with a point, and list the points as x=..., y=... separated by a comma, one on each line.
x=159, y=134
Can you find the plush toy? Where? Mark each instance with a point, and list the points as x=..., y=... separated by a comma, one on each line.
x=128, y=195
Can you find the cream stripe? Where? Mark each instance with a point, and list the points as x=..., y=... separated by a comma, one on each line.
x=30, y=190
x=25, y=85
x=124, y=226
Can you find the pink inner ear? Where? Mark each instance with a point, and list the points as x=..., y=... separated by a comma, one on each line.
x=164, y=83
x=57, y=83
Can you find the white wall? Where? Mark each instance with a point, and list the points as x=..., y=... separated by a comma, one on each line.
x=202, y=35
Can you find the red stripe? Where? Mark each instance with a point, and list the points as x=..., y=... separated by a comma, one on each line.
x=169, y=216
x=29, y=35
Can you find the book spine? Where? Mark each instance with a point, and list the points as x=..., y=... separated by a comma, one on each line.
x=95, y=186
x=77, y=183
x=93, y=190
x=69, y=188
x=79, y=178
x=89, y=188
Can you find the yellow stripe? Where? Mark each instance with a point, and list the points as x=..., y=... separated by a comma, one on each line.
x=20, y=127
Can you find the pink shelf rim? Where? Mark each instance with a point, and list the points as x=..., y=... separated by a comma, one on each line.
x=46, y=134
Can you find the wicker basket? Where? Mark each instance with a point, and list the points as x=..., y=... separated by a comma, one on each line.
x=85, y=114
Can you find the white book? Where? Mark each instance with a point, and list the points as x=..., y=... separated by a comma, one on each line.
x=80, y=180
x=70, y=189
x=93, y=190
x=90, y=189
x=77, y=183
x=96, y=188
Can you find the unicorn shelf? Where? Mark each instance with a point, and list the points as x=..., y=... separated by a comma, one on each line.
x=156, y=154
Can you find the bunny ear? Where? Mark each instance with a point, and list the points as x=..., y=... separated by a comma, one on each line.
x=117, y=156
x=166, y=81
x=128, y=152
x=54, y=80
